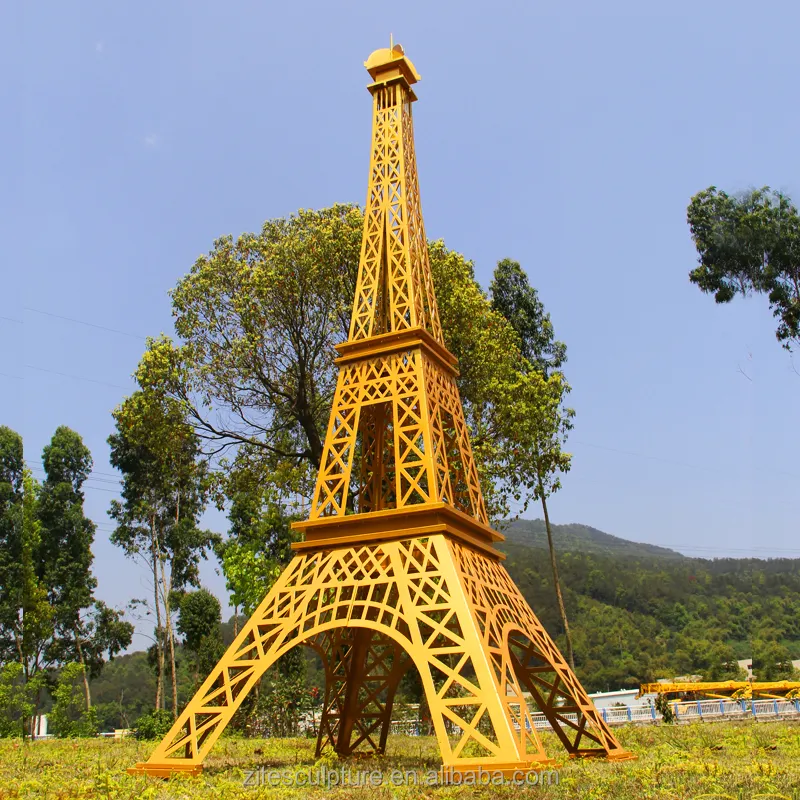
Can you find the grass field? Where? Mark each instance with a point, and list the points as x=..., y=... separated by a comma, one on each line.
x=722, y=760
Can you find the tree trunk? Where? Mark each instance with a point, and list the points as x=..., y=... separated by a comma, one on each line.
x=159, y=632
x=86, y=690
x=172, y=669
x=36, y=706
x=556, y=581
x=167, y=585
x=166, y=589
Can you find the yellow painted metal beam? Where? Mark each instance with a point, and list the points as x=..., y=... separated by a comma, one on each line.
x=725, y=689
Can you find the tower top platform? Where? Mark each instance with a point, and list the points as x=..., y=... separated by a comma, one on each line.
x=391, y=62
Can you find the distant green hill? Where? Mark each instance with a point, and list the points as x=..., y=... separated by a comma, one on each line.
x=124, y=690
x=637, y=613
x=580, y=539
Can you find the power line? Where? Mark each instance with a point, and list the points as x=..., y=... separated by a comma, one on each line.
x=11, y=319
x=88, y=324
x=77, y=377
x=90, y=478
x=87, y=485
x=658, y=458
x=15, y=377
x=105, y=480
x=34, y=465
x=107, y=474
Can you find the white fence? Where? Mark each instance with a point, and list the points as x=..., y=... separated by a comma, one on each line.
x=693, y=711
x=642, y=714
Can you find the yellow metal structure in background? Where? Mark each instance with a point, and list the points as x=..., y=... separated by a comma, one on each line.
x=398, y=566
x=735, y=690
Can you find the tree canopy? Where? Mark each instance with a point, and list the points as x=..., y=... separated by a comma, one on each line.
x=164, y=492
x=199, y=621
x=518, y=301
x=65, y=553
x=749, y=244
x=258, y=318
x=50, y=622
x=12, y=478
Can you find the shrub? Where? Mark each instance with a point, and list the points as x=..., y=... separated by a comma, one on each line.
x=154, y=725
x=16, y=703
x=665, y=709
x=69, y=716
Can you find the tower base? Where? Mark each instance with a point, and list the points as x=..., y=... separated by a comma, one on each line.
x=164, y=770
x=437, y=601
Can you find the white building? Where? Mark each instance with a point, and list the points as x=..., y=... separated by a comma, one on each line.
x=622, y=697
x=625, y=697
x=39, y=727
x=747, y=665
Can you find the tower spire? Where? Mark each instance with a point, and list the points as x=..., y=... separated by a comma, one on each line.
x=397, y=438
x=395, y=290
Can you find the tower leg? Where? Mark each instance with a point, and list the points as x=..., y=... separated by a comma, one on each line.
x=353, y=687
x=362, y=671
x=519, y=645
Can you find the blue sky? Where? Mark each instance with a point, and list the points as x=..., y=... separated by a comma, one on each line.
x=564, y=136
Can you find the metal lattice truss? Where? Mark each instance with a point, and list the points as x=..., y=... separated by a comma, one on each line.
x=362, y=670
x=395, y=289
x=402, y=414
x=374, y=610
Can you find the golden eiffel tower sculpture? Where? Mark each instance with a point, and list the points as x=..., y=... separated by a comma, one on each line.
x=402, y=570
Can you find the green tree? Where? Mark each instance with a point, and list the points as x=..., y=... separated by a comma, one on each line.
x=281, y=301
x=101, y=634
x=543, y=419
x=664, y=708
x=164, y=491
x=35, y=623
x=749, y=244
x=518, y=301
x=771, y=661
x=17, y=699
x=69, y=716
x=260, y=536
x=199, y=621
x=67, y=535
x=154, y=725
x=26, y=617
x=281, y=702
x=12, y=560
x=723, y=664
x=79, y=628
x=259, y=316
x=65, y=548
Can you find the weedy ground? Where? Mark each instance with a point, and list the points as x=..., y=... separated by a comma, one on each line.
x=711, y=761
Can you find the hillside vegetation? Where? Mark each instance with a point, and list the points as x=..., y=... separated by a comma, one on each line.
x=638, y=613
x=641, y=612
